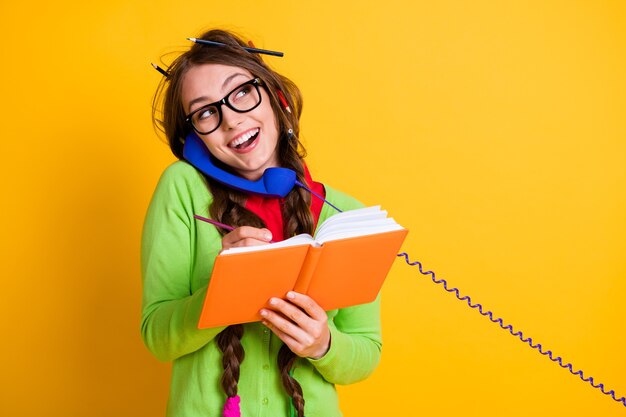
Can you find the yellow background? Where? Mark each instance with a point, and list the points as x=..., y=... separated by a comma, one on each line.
x=495, y=131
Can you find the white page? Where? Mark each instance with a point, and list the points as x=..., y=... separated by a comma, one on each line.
x=344, y=234
x=354, y=228
x=302, y=239
x=367, y=213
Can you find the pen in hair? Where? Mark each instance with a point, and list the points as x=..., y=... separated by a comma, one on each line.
x=257, y=50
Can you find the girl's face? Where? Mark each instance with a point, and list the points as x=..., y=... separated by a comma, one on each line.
x=247, y=142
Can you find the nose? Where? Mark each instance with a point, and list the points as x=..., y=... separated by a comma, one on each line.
x=230, y=118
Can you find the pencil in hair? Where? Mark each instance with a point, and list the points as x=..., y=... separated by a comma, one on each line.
x=255, y=50
x=161, y=70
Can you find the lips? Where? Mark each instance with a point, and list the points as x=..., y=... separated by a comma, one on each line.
x=245, y=139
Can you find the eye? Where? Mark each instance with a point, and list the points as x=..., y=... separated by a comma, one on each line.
x=243, y=91
x=205, y=114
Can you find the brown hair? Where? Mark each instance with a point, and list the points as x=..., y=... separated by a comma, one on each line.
x=228, y=204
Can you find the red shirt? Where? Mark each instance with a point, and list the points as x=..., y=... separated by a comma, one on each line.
x=268, y=208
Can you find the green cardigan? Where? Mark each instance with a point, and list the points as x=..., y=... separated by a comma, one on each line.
x=177, y=255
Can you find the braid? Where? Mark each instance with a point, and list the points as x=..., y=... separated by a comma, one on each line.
x=228, y=207
x=296, y=219
x=229, y=342
x=286, y=358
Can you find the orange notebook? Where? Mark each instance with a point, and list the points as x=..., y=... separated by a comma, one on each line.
x=344, y=265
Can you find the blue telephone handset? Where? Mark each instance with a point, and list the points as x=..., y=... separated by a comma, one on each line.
x=275, y=182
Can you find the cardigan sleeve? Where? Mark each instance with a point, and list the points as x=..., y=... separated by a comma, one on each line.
x=170, y=309
x=355, y=345
x=355, y=332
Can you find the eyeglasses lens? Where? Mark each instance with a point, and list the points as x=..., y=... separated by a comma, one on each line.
x=244, y=98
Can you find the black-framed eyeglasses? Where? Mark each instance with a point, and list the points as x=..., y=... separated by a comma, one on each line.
x=242, y=99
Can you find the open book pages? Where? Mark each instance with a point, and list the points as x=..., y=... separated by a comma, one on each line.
x=353, y=223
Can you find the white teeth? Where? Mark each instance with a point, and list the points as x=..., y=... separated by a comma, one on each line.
x=243, y=138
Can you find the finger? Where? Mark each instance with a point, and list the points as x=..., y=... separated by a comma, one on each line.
x=244, y=232
x=248, y=242
x=310, y=347
x=246, y=236
x=291, y=311
x=230, y=243
x=288, y=340
x=307, y=304
x=254, y=233
x=281, y=323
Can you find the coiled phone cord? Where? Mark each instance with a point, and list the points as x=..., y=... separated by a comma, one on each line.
x=518, y=334
x=498, y=320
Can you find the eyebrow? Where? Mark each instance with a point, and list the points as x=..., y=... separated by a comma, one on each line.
x=224, y=84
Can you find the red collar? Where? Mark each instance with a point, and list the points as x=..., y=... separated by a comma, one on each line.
x=269, y=208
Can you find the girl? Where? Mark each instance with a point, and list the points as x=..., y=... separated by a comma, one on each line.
x=247, y=115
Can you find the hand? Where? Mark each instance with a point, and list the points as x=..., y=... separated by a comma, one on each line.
x=300, y=323
x=246, y=236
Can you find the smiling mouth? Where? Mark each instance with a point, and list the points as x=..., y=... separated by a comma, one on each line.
x=245, y=140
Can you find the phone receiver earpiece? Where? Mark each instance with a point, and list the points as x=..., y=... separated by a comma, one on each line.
x=275, y=182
